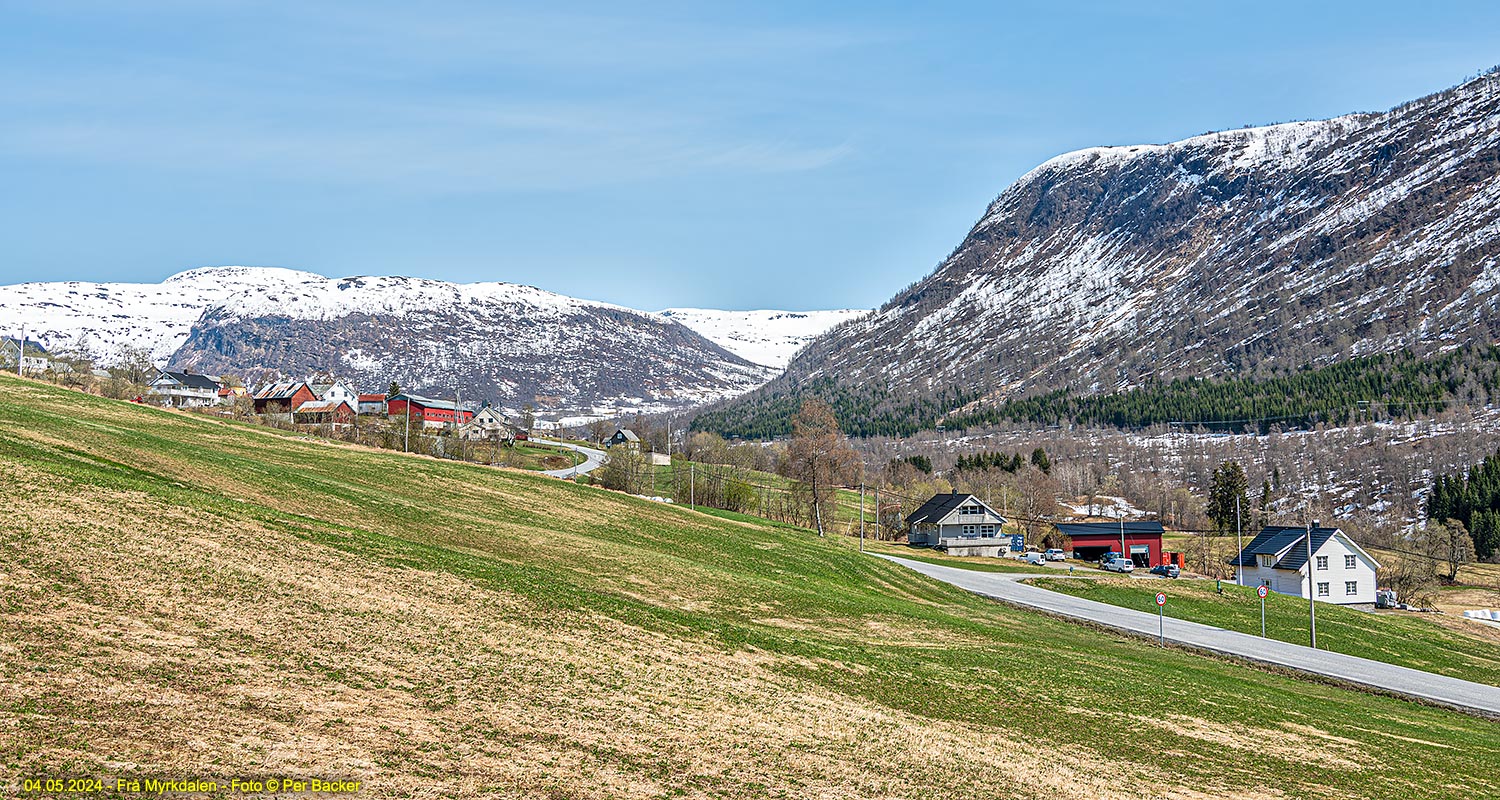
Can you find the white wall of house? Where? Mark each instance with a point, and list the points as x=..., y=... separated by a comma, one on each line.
x=970, y=521
x=1340, y=569
x=341, y=392
x=181, y=396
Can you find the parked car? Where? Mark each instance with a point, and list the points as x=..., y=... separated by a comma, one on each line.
x=1055, y=554
x=1108, y=557
x=1034, y=558
x=1166, y=570
x=1120, y=565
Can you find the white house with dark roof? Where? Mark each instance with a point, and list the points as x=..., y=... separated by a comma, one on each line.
x=1342, y=572
x=186, y=389
x=33, y=360
x=959, y=523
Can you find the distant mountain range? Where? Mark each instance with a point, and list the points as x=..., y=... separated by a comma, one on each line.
x=501, y=342
x=1243, y=254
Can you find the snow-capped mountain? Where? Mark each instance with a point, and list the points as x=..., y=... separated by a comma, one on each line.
x=104, y=319
x=502, y=342
x=769, y=338
x=1246, y=252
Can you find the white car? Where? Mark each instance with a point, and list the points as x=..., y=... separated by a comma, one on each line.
x=1120, y=565
x=1033, y=558
x=1055, y=555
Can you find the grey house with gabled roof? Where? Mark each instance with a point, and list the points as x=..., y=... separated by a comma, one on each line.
x=960, y=523
x=1342, y=572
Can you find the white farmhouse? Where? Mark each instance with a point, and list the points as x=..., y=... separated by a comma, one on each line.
x=335, y=392
x=959, y=523
x=1342, y=572
x=185, y=389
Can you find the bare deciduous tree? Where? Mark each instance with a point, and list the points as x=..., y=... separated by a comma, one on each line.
x=819, y=456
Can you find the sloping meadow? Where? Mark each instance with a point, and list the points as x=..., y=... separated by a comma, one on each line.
x=185, y=597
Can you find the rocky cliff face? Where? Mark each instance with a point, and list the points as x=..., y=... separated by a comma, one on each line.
x=1242, y=252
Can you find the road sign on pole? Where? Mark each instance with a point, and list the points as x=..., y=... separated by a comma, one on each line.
x=1161, y=617
x=1261, y=591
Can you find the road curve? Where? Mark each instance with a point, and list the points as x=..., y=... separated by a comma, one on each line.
x=593, y=459
x=1453, y=692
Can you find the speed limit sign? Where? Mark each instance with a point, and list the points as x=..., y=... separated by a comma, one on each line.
x=1261, y=591
x=1161, y=598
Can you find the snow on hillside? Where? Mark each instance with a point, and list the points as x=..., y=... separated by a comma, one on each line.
x=104, y=318
x=763, y=337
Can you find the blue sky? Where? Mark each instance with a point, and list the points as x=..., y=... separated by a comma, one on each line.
x=762, y=155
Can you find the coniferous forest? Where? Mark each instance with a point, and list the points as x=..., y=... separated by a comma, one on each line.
x=1474, y=500
x=1385, y=386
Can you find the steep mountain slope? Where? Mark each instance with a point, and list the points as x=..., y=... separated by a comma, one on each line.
x=506, y=343
x=769, y=338
x=1244, y=252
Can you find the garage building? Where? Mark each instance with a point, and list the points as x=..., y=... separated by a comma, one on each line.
x=1091, y=540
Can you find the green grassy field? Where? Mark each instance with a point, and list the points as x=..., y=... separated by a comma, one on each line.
x=1397, y=638
x=188, y=597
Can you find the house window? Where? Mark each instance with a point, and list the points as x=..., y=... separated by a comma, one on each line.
x=971, y=530
x=1267, y=560
x=1349, y=562
x=1323, y=589
x=1322, y=562
x=1351, y=587
x=987, y=530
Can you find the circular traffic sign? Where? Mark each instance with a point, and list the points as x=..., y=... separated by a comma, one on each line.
x=1262, y=591
x=1161, y=598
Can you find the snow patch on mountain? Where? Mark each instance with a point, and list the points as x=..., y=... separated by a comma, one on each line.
x=765, y=337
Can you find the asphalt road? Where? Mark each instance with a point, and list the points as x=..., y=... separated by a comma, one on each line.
x=1461, y=694
x=593, y=459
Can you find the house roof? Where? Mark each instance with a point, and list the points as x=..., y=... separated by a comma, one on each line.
x=1141, y=528
x=1287, y=542
x=279, y=391
x=372, y=398
x=31, y=344
x=321, y=406
x=191, y=380
x=627, y=434
x=428, y=402
x=941, y=505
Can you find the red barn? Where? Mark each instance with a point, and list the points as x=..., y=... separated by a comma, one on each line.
x=1141, y=541
x=337, y=412
x=281, y=398
x=432, y=413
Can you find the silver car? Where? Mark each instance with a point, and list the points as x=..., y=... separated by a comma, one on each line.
x=1120, y=565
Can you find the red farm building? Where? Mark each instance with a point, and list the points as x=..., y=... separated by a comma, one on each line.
x=282, y=398
x=1141, y=541
x=432, y=413
x=317, y=412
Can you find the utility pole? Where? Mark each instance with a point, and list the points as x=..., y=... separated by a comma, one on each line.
x=692, y=486
x=406, y=446
x=861, y=516
x=1312, y=614
x=877, y=512
x=1239, y=569
x=1122, y=536
x=21, y=351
